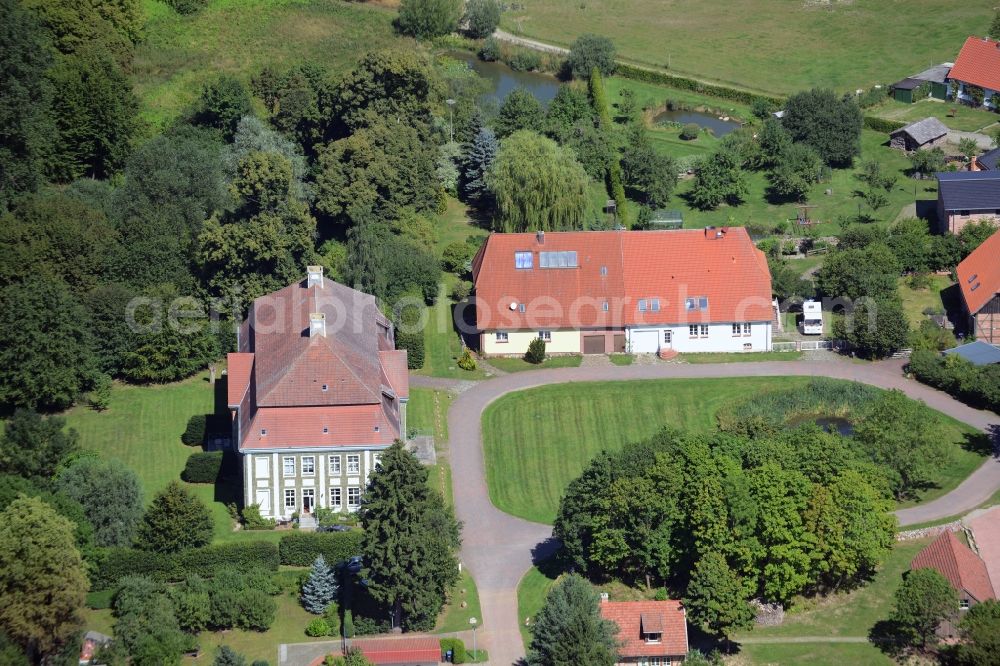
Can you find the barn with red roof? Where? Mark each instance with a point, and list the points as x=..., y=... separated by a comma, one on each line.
x=317, y=390
x=595, y=292
x=964, y=569
x=979, y=279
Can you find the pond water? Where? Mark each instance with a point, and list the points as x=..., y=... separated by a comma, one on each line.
x=719, y=127
x=836, y=424
x=504, y=80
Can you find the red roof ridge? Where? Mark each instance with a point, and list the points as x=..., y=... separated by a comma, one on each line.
x=981, y=267
x=978, y=63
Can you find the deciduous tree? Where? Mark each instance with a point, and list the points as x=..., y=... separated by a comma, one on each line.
x=520, y=111
x=42, y=579
x=980, y=629
x=222, y=104
x=483, y=17
x=111, y=496
x=716, y=598
x=589, y=51
x=922, y=601
x=831, y=125
x=425, y=19
x=719, y=180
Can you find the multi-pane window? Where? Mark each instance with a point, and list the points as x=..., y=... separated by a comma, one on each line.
x=354, y=496
x=654, y=304
x=354, y=464
x=335, y=498
x=651, y=304
x=501, y=336
x=557, y=259
x=523, y=260
x=290, y=498
x=736, y=329
x=704, y=330
x=668, y=337
x=308, y=465
x=335, y=465
x=288, y=466
x=545, y=335
x=643, y=305
x=746, y=329
x=376, y=459
x=963, y=604
x=693, y=331
x=696, y=303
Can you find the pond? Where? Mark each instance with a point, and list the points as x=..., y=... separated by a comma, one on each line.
x=836, y=424
x=504, y=80
x=719, y=127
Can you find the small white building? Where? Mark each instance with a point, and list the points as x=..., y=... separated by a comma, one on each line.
x=812, y=318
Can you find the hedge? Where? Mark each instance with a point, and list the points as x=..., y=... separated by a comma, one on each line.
x=115, y=563
x=194, y=433
x=599, y=98
x=682, y=83
x=300, y=549
x=457, y=647
x=978, y=386
x=882, y=125
x=202, y=467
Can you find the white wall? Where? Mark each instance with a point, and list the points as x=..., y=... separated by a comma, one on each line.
x=563, y=342
x=720, y=339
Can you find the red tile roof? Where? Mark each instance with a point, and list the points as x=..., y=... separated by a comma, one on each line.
x=982, y=268
x=978, y=63
x=404, y=650
x=986, y=531
x=667, y=616
x=293, y=383
x=620, y=268
x=239, y=367
x=956, y=562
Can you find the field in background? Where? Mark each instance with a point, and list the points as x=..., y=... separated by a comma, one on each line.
x=778, y=46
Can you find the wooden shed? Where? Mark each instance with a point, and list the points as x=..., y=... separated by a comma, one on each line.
x=921, y=134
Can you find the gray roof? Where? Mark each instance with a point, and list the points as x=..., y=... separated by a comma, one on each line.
x=908, y=84
x=924, y=130
x=936, y=74
x=976, y=353
x=989, y=159
x=969, y=190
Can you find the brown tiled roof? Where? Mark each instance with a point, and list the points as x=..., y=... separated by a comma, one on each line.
x=620, y=268
x=403, y=650
x=346, y=380
x=630, y=617
x=956, y=562
x=239, y=366
x=979, y=274
x=978, y=63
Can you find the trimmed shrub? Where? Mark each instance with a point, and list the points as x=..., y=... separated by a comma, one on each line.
x=882, y=125
x=466, y=361
x=255, y=610
x=202, y=467
x=318, y=627
x=456, y=256
x=410, y=336
x=300, y=549
x=348, y=623
x=194, y=433
x=252, y=520
x=116, y=563
x=457, y=648
x=187, y=6
x=461, y=290
x=536, y=351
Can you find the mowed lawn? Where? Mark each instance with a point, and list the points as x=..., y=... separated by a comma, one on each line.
x=180, y=54
x=538, y=440
x=778, y=46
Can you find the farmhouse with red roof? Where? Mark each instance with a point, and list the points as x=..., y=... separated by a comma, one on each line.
x=653, y=633
x=317, y=390
x=979, y=279
x=964, y=570
x=610, y=291
x=977, y=66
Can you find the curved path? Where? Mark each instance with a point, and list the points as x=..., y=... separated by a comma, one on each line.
x=499, y=548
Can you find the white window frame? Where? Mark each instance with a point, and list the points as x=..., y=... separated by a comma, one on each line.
x=502, y=337
x=376, y=459
x=604, y=306
x=334, y=465
x=290, y=494
x=336, y=497
x=654, y=304
x=354, y=463
x=545, y=335
x=693, y=330
x=643, y=305
x=668, y=336
x=353, y=497
x=524, y=260
x=747, y=329
x=521, y=307
x=284, y=466
x=736, y=330
x=704, y=331
x=308, y=465
x=963, y=604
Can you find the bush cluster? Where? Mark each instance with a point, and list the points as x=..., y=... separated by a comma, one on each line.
x=457, y=648
x=116, y=563
x=301, y=549
x=202, y=467
x=976, y=386
x=187, y=6
x=536, y=351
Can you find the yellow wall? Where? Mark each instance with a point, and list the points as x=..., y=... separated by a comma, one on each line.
x=563, y=342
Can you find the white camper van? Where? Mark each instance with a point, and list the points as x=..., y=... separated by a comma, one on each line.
x=812, y=318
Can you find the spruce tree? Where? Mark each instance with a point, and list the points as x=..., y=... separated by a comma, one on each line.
x=176, y=520
x=476, y=161
x=227, y=656
x=570, y=630
x=410, y=541
x=321, y=589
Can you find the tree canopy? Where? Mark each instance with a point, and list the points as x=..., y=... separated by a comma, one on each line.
x=589, y=51
x=829, y=124
x=111, y=496
x=425, y=19
x=175, y=520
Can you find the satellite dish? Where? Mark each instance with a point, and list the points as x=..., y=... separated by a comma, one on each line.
x=513, y=306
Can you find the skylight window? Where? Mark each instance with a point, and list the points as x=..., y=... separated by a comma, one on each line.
x=566, y=259
x=523, y=260
x=696, y=303
x=972, y=278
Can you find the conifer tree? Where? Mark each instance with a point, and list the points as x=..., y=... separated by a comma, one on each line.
x=569, y=628
x=476, y=161
x=320, y=590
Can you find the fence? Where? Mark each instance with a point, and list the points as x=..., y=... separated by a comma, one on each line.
x=806, y=345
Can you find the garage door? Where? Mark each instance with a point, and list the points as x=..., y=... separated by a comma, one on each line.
x=593, y=344
x=646, y=342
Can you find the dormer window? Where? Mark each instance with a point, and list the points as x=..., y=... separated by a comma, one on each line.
x=651, y=627
x=326, y=387
x=653, y=638
x=263, y=432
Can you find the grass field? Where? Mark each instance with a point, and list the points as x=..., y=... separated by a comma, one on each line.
x=773, y=45
x=520, y=365
x=531, y=593
x=915, y=301
x=239, y=37
x=536, y=441
x=455, y=618
x=740, y=358
x=966, y=118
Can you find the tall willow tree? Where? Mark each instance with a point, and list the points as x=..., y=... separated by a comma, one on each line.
x=538, y=185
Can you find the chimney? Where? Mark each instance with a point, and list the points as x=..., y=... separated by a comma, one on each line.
x=314, y=276
x=709, y=232
x=317, y=324
x=604, y=597
x=540, y=237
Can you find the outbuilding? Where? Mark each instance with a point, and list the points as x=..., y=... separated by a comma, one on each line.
x=921, y=134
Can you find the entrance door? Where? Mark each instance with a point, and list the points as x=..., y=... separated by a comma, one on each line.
x=308, y=500
x=264, y=501
x=593, y=344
